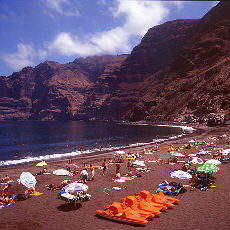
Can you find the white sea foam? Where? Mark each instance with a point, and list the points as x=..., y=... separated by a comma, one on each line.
x=184, y=128
x=96, y=150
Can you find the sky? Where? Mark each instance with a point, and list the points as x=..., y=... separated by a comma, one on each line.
x=33, y=31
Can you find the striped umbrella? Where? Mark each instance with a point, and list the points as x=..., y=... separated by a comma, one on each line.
x=28, y=180
x=208, y=168
x=180, y=174
x=75, y=187
x=195, y=160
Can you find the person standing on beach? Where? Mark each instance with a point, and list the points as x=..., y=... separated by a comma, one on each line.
x=84, y=175
x=92, y=172
x=129, y=164
x=104, y=166
x=118, y=166
x=70, y=161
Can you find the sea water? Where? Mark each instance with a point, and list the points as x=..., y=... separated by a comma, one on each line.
x=31, y=141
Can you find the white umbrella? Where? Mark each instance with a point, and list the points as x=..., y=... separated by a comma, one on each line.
x=40, y=164
x=120, y=152
x=213, y=161
x=195, y=160
x=225, y=151
x=61, y=172
x=75, y=187
x=28, y=180
x=192, y=141
x=180, y=174
x=139, y=163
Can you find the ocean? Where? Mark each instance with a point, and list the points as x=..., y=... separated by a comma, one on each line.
x=24, y=142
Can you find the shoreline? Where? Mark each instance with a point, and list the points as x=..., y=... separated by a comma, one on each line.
x=195, y=131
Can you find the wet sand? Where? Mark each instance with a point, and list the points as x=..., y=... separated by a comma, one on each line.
x=196, y=209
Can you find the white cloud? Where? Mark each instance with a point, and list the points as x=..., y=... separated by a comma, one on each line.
x=63, y=7
x=178, y=4
x=23, y=57
x=214, y=3
x=139, y=17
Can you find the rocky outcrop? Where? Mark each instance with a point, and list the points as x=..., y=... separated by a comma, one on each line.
x=52, y=91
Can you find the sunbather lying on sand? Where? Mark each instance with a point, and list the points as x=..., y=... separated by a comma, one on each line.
x=45, y=170
x=64, y=183
x=6, y=201
x=53, y=187
x=5, y=179
x=5, y=190
x=31, y=190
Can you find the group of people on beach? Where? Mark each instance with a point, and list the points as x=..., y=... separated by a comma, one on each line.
x=5, y=197
x=87, y=172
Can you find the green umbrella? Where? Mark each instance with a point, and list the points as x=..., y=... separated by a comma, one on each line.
x=208, y=168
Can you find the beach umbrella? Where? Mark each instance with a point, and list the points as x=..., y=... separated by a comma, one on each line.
x=180, y=174
x=138, y=163
x=225, y=151
x=208, y=168
x=192, y=141
x=195, y=160
x=176, y=154
x=41, y=164
x=213, y=161
x=28, y=180
x=75, y=187
x=61, y=172
x=120, y=152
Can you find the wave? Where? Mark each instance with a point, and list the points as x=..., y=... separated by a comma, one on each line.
x=77, y=153
x=95, y=151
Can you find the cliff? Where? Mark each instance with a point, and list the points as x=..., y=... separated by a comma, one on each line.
x=179, y=72
x=51, y=91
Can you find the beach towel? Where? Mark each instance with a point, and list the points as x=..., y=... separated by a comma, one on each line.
x=36, y=193
x=10, y=181
x=120, y=180
x=116, y=188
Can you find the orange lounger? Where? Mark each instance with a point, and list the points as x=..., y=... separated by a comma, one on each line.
x=142, y=197
x=147, y=196
x=132, y=202
x=174, y=200
x=116, y=212
x=161, y=200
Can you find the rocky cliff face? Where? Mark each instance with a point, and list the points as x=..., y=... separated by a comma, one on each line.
x=179, y=72
x=51, y=91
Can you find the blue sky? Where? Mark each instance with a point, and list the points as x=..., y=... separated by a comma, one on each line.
x=32, y=31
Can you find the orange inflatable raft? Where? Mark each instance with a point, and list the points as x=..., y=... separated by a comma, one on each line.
x=117, y=212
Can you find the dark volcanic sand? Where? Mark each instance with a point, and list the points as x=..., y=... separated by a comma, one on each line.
x=196, y=209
